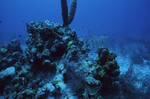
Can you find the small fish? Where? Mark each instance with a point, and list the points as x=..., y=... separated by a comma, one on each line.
x=1, y=43
x=82, y=27
x=0, y=21
x=23, y=21
x=19, y=35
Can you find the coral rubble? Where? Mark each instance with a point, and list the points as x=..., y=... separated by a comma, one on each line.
x=55, y=64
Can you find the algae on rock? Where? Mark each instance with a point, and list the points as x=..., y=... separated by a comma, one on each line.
x=56, y=64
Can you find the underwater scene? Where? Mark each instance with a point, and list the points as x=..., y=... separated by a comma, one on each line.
x=74, y=49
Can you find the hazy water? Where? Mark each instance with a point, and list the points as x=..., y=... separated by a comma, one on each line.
x=92, y=16
x=126, y=22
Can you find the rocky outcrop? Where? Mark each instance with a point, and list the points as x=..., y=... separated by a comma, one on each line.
x=56, y=64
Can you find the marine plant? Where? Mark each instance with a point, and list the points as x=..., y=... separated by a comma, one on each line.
x=67, y=19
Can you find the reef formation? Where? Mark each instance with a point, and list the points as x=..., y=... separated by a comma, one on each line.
x=55, y=64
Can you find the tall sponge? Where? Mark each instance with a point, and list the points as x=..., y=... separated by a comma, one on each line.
x=72, y=11
x=67, y=19
x=64, y=8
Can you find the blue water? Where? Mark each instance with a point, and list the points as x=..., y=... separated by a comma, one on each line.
x=126, y=22
x=94, y=17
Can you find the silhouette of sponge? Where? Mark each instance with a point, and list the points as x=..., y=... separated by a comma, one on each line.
x=67, y=19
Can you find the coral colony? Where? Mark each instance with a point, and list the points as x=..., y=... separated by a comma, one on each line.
x=55, y=64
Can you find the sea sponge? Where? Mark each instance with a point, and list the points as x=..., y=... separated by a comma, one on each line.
x=64, y=8
x=108, y=62
x=72, y=11
x=68, y=19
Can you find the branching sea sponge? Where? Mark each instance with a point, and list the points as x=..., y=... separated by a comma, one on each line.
x=72, y=11
x=67, y=19
x=64, y=8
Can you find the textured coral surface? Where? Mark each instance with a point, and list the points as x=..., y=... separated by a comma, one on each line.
x=55, y=64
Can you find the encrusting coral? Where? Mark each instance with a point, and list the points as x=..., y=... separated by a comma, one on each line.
x=56, y=64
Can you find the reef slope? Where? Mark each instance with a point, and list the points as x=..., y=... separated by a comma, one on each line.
x=55, y=64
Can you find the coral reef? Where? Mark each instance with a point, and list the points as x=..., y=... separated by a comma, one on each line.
x=67, y=19
x=11, y=60
x=56, y=64
x=10, y=54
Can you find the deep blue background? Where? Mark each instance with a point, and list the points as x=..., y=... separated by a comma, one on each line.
x=92, y=16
